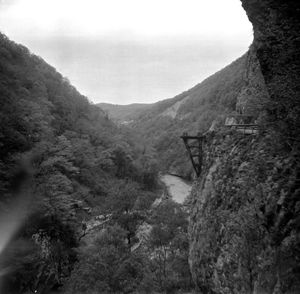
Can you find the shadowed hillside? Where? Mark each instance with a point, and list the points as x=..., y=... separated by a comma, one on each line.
x=62, y=163
x=78, y=209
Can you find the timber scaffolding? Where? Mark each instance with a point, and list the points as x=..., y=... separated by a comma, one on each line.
x=193, y=143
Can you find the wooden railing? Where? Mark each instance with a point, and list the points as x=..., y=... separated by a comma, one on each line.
x=246, y=129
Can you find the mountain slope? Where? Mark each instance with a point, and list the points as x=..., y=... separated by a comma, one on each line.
x=62, y=162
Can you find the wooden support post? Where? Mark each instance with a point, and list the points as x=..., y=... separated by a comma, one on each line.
x=195, y=143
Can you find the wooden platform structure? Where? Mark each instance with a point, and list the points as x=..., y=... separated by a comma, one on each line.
x=242, y=123
x=193, y=145
x=246, y=129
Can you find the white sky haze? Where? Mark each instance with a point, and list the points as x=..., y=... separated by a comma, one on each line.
x=125, y=51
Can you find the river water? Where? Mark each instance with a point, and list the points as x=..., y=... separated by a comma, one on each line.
x=177, y=188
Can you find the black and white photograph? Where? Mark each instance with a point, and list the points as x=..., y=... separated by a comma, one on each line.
x=149, y=147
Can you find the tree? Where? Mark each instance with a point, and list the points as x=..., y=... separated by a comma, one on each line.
x=122, y=205
x=42, y=257
x=107, y=266
x=169, y=246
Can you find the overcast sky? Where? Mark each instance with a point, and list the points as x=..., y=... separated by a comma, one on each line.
x=126, y=51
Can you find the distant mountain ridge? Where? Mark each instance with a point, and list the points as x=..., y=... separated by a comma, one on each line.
x=124, y=114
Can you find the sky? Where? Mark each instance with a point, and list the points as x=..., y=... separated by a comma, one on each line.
x=130, y=51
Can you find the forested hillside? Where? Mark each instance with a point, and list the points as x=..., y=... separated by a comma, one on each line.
x=63, y=163
x=43, y=117
x=82, y=209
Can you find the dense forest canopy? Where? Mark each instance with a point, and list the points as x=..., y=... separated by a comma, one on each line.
x=64, y=164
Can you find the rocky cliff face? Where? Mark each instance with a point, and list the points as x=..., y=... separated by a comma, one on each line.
x=254, y=96
x=244, y=225
x=276, y=29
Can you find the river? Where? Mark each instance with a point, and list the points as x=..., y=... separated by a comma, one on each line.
x=177, y=187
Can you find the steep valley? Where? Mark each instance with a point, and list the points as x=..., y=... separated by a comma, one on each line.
x=244, y=219
x=237, y=89
x=94, y=182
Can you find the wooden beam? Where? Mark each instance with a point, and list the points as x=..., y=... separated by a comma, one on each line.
x=197, y=164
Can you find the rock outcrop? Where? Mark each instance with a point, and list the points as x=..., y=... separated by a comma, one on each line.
x=244, y=223
x=276, y=29
x=253, y=97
